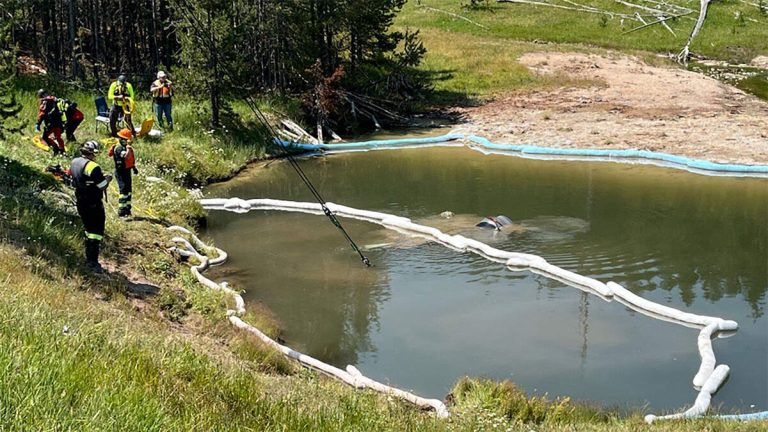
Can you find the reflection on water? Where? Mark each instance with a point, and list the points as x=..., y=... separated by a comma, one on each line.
x=425, y=315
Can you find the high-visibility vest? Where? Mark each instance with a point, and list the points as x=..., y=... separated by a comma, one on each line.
x=117, y=89
x=163, y=91
x=123, y=155
x=88, y=187
x=63, y=106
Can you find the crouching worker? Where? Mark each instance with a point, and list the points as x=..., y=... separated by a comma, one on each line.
x=72, y=116
x=125, y=162
x=90, y=184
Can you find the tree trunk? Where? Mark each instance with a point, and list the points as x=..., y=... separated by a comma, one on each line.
x=72, y=21
x=685, y=52
x=215, y=120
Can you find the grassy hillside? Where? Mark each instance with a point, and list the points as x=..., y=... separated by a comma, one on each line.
x=477, y=56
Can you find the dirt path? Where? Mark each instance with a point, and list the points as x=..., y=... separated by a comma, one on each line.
x=634, y=106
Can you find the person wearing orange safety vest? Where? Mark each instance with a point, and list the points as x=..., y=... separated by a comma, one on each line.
x=125, y=163
x=162, y=93
x=90, y=184
x=122, y=97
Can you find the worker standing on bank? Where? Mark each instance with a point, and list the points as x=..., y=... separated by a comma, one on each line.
x=125, y=165
x=48, y=113
x=122, y=97
x=162, y=93
x=90, y=184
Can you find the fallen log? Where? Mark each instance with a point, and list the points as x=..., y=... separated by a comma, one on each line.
x=656, y=22
x=298, y=130
x=577, y=9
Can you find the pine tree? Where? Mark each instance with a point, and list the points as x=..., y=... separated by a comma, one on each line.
x=10, y=122
x=210, y=37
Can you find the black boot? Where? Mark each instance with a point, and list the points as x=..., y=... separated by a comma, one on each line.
x=92, y=256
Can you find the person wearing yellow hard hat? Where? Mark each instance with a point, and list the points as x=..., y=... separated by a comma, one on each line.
x=125, y=165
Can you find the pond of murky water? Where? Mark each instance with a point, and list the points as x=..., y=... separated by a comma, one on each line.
x=425, y=315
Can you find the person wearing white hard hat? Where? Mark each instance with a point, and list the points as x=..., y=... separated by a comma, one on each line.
x=162, y=93
x=90, y=185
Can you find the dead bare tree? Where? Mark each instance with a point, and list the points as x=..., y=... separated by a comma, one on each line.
x=683, y=56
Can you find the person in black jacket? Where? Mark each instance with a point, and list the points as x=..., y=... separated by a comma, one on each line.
x=125, y=163
x=90, y=184
x=73, y=117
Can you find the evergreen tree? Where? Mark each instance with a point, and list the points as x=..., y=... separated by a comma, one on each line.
x=10, y=122
x=212, y=35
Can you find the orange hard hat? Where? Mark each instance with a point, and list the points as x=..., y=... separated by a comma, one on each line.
x=125, y=134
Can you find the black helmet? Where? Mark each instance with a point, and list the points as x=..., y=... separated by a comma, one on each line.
x=121, y=79
x=90, y=147
x=42, y=93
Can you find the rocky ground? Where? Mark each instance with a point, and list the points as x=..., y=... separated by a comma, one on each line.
x=631, y=105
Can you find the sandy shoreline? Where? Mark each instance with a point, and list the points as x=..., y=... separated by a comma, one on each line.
x=634, y=106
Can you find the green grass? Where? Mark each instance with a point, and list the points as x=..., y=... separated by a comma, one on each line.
x=474, y=66
x=469, y=62
x=733, y=31
x=113, y=369
x=191, y=155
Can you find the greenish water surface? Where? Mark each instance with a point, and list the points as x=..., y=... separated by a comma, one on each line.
x=425, y=315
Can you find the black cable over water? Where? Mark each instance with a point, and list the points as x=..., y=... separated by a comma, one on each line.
x=263, y=119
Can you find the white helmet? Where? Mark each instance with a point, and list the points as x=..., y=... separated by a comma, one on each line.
x=160, y=74
x=90, y=147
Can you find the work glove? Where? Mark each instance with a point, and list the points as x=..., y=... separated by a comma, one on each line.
x=135, y=170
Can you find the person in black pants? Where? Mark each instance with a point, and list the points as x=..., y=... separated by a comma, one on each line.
x=122, y=97
x=90, y=183
x=125, y=163
x=73, y=117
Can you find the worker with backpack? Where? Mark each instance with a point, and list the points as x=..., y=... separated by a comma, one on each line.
x=49, y=113
x=71, y=115
x=125, y=165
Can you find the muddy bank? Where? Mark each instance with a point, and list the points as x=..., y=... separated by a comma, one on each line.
x=631, y=105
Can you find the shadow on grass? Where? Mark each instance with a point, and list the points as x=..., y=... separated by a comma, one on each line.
x=28, y=220
x=32, y=220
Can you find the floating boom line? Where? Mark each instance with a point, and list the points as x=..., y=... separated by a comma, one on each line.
x=708, y=379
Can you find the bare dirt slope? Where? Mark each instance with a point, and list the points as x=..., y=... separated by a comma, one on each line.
x=635, y=105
